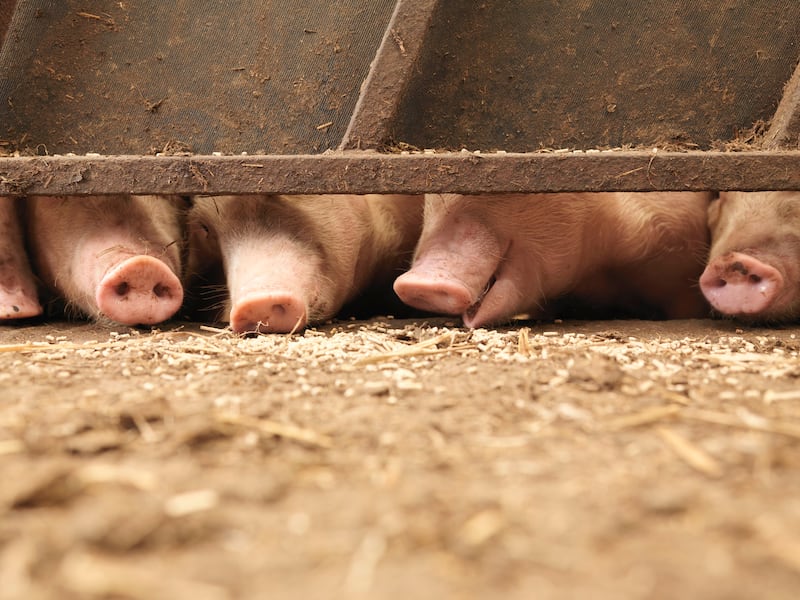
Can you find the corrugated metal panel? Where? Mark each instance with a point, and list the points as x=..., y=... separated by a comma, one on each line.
x=141, y=76
x=520, y=75
x=287, y=82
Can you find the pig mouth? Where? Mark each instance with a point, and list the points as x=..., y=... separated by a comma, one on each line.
x=473, y=308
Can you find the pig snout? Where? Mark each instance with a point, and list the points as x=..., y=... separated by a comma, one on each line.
x=738, y=284
x=18, y=295
x=268, y=312
x=271, y=296
x=438, y=289
x=96, y=254
x=141, y=290
x=18, y=303
x=18, y=299
x=454, y=270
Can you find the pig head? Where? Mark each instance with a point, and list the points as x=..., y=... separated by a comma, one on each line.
x=488, y=258
x=116, y=258
x=290, y=261
x=753, y=271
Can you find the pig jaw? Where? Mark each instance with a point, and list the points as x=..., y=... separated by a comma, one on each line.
x=740, y=285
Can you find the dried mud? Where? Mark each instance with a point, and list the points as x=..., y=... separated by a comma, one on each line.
x=397, y=459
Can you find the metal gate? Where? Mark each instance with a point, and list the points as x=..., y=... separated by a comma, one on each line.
x=197, y=96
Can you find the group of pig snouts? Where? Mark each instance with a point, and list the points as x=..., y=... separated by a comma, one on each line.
x=270, y=263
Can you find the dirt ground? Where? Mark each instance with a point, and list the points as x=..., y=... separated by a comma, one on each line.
x=400, y=459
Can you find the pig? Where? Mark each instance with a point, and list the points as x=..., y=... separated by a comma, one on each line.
x=18, y=294
x=753, y=271
x=292, y=261
x=489, y=258
x=114, y=258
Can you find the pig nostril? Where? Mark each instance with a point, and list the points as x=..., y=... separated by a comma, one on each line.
x=738, y=267
x=122, y=289
x=755, y=278
x=161, y=290
x=279, y=310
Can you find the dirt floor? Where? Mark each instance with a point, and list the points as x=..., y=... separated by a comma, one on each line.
x=399, y=459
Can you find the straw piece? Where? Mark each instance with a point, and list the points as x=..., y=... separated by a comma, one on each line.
x=755, y=422
x=694, y=456
x=645, y=417
x=771, y=396
x=524, y=342
x=425, y=348
x=191, y=502
x=285, y=430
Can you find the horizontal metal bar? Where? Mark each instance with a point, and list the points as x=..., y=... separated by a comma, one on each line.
x=362, y=172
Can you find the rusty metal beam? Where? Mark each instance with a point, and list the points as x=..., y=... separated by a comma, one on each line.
x=370, y=172
x=389, y=75
x=784, y=130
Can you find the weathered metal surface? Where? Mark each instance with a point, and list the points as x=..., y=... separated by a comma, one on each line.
x=784, y=131
x=371, y=172
x=6, y=11
x=521, y=75
x=389, y=76
x=143, y=76
x=279, y=79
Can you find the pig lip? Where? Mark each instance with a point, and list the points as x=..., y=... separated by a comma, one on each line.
x=472, y=310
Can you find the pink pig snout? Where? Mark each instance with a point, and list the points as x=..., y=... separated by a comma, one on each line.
x=269, y=312
x=455, y=267
x=434, y=290
x=141, y=290
x=739, y=284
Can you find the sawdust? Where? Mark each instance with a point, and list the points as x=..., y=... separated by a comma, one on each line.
x=396, y=459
